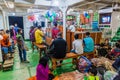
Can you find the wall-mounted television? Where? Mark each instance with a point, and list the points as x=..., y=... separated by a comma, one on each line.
x=105, y=18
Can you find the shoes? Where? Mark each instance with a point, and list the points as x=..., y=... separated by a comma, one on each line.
x=12, y=52
x=26, y=61
x=22, y=61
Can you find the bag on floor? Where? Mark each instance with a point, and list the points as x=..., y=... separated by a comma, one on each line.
x=109, y=75
x=116, y=64
x=84, y=64
x=101, y=71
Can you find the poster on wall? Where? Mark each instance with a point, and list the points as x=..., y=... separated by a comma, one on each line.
x=95, y=16
x=95, y=25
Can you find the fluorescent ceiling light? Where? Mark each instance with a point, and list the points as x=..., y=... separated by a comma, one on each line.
x=55, y=3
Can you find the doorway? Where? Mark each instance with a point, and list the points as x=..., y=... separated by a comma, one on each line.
x=18, y=20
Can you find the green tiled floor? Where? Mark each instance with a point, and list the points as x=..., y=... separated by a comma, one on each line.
x=22, y=71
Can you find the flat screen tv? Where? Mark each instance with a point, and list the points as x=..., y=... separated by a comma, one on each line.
x=105, y=18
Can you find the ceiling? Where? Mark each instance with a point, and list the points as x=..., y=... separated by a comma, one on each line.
x=77, y=5
x=94, y=4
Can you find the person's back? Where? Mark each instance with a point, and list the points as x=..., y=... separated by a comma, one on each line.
x=42, y=72
x=55, y=31
x=77, y=45
x=38, y=36
x=60, y=47
x=88, y=43
x=42, y=69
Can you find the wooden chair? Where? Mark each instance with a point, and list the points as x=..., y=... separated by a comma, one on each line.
x=8, y=64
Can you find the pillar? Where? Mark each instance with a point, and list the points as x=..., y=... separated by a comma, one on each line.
x=64, y=9
x=4, y=20
x=78, y=19
x=64, y=25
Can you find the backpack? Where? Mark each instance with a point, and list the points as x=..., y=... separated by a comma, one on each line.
x=84, y=64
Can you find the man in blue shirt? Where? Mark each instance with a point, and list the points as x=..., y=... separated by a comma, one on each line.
x=88, y=43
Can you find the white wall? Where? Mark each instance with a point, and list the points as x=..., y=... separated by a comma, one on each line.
x=115, y=23
x=27, y=25
x=1, y=21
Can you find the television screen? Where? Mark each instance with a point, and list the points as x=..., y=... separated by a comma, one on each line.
x=106, y=19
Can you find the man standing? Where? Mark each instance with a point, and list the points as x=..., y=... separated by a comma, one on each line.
x=88, y=43
x=21, y=47
x=16, y=28
x=55, y=31
x=71, y=28
x=39, y=36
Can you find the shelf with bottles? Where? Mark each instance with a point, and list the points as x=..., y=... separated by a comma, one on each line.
x=104, y=25
x=70, y=17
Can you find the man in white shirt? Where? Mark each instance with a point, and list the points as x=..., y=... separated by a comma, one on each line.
x=72, y=27
x=77, y=45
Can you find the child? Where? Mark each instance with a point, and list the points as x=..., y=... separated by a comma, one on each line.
x=116, y=51
x=43, y=69
x=102, y=51
x=92, y=75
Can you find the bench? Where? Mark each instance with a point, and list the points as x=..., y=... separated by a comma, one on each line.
x=8, y=64
x=68, y=55
x=73, y=56
x=41, y=47
x=48, y=40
